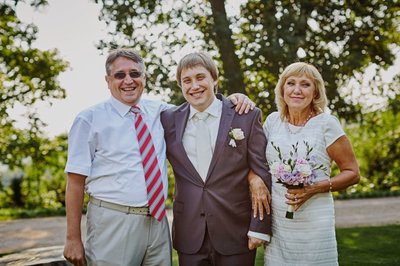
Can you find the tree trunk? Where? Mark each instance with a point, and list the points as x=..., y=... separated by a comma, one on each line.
x=223, y=38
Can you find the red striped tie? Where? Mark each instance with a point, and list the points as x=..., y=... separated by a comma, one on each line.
x=152, y=173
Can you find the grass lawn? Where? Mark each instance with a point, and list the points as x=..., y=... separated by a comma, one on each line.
x=369, y=245
x=359, y=246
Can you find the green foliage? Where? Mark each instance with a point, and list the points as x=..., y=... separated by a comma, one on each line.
x=171, y=185
x=9, y=214
x=367, y=194
x=376, y=141
x=341, y=38
x=27, y=75
x=40, y=180
x=34, y=164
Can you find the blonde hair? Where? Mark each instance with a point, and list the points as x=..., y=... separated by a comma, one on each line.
x=297, y=69
x=197, y=59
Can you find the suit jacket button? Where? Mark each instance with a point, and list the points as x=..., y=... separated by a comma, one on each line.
x=202, y=214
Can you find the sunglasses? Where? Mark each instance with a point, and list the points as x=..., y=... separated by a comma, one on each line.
x=132, y=74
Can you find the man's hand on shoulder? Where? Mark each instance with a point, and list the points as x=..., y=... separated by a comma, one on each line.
x=242, y=103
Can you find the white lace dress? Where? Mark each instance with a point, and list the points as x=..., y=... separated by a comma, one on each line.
x=309, y=238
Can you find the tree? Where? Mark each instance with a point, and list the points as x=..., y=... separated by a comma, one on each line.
x=27, y=75
x=38, y=179
x=377, y=144
x=340, y=37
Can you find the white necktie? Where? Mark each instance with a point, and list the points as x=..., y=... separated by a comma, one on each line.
x=203, y=144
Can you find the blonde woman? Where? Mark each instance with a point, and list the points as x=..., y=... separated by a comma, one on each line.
x=303, y=140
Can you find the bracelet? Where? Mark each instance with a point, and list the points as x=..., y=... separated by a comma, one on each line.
x=330, y=185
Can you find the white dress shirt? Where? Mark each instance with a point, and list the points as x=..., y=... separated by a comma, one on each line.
x=189, y=136
x=103, y=146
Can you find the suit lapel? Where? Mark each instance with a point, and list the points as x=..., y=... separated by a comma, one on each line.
x=181, y=118
x=227, y=115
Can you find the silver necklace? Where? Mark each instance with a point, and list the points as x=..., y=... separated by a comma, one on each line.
x=301, y=126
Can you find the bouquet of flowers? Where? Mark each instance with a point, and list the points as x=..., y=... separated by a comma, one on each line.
x=295, y=171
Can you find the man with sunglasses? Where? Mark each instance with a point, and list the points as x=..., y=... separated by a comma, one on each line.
x=108, y=158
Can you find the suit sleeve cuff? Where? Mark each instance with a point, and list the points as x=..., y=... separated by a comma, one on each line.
x=261, y=236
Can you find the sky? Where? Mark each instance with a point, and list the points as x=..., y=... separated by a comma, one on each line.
x=73, y=28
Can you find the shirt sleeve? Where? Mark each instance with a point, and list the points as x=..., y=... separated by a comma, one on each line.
x=333, y=130
x=165, y=106
x=261, y=236
x=80, y=148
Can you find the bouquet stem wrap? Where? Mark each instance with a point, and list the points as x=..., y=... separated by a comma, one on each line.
x=290, y=208
x=290, y=212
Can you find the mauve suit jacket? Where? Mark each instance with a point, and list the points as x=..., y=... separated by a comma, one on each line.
x=221, y=204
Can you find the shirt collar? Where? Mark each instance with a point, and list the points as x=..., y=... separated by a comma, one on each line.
x=215, y=109
x=121, y=108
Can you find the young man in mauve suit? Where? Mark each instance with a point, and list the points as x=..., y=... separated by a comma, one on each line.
x=211, y=158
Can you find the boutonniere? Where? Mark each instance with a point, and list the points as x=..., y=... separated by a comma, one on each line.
x=235, y=134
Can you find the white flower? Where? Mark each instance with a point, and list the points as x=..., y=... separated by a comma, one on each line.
x=287, y=168
x=232, y=143
x=303, y=167
x=237, y=134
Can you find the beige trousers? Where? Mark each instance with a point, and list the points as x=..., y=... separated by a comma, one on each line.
x=116, y=238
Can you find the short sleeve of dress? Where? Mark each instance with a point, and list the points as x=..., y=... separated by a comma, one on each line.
x=333, y=130
x=271, y=119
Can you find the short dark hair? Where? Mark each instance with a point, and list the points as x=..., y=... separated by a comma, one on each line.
x=124, y=52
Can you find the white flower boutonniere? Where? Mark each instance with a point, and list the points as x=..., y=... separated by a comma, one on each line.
x=235, y=134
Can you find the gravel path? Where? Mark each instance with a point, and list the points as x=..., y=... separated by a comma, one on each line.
x=18, y=235
x=367, y=212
